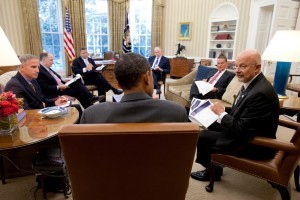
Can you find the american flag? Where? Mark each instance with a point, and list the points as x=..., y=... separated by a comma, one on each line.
x=68, y=38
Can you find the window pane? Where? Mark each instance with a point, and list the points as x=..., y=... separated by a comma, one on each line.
x=52, y=31
x=141, y=13
x=96, y=14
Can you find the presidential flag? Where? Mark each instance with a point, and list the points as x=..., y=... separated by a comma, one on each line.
x=126, y=43
x=68, y=38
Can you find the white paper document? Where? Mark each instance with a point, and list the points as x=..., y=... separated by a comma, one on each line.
x=204, y=87
x=201, y=114
x=77, y=77
x=100, y=67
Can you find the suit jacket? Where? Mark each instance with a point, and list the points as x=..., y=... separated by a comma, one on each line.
x=164, y=63
x=78, y=65
x=135, y=107
x=255, y=114
x=48, y=83
x=221, y=84
x=32, y=99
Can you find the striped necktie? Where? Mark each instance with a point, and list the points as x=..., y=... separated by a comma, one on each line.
x=240, y=94
x=214, y=77
x=32, y=86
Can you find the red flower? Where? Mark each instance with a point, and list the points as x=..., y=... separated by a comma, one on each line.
x=9, y=104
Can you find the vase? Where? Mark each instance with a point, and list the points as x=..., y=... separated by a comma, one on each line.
x=8, y=124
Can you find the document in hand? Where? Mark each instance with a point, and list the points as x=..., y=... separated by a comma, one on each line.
x=201, y=114
x=204, y=87
x=100, y=68
x=77, y=77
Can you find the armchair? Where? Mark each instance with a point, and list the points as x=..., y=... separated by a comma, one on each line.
x=295, y=87
x=276, y=171
x=129, y=161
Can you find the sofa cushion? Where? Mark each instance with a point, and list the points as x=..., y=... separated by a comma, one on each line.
x=203, y=71
x=232, y=90
x=178, y=89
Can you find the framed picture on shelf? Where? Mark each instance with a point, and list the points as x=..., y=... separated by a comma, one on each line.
x=184, y=31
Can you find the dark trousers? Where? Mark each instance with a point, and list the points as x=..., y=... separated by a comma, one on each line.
x=80, y=92
x=97, y=79
x=205, y=147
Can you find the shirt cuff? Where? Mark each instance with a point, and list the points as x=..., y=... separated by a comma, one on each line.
x=221, y=117
x=84, y=70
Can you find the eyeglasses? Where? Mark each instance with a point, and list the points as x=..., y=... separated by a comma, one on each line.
x=243, y=67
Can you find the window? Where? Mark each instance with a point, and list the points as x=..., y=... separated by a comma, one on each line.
x=96, y=14
x=140, y=26
x=52, y=31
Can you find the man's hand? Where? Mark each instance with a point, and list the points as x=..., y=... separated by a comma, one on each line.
x=217, y=108
x=214, y=89
x=61, y=101
x=62, y=87
x=89, y=67
x=157, y=68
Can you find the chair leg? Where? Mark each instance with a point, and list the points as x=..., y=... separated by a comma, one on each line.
x=296, y=178
x=211, y=171
x=284, y=192
x=43, y=186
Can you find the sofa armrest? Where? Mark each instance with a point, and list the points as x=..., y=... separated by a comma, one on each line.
x=187, y=79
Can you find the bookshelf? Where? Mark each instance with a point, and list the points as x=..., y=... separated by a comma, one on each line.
x=222, y=38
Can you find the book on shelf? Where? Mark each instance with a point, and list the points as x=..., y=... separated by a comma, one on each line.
x=229, y=55
x=212, y=54
x=77, y=77
x=201, y=113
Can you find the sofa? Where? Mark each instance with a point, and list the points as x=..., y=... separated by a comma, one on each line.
x=4, y=78
x=179, y=90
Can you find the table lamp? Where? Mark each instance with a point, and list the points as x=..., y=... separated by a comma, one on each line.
x=8, y=56
x=285, y=49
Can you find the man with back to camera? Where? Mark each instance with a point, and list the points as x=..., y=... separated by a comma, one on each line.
x=86, y=66
x=255, y=112
x=134, y=76
x=220, y=80
x=53, y=86
x=160, y=66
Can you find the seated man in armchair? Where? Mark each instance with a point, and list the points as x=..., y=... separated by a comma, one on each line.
x=219, y=79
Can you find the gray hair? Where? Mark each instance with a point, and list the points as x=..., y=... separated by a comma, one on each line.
x=24, y=58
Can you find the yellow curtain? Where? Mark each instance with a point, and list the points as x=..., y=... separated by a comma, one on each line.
x=77, y=16
x=116, y=13
x=33, y=38
x=157, y=23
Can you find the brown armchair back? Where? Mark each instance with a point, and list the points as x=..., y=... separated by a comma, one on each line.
x=129, y=161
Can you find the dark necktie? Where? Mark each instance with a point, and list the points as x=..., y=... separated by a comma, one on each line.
x=240, y=94
x=32, y=87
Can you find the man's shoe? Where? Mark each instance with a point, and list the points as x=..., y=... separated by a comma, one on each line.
x=117, y=91
x=204, y=175
x=97, y=98
x=158, y=91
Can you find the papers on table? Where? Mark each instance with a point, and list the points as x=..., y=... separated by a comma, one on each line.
x=201, y=114
x=104, y=62
x=204, y=87
x=77, y=77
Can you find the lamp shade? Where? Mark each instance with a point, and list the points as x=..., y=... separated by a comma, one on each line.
x=284, y=47
x=8, y=56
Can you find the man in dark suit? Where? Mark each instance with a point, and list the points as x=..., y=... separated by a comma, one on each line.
x=255, y=112
x=134, y=76
x=24, y=85
x=53, y=86
x=86, y=66
x=160, y=66
x=220, y=80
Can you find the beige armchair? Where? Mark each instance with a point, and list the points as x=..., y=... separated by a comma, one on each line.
x=4, y=78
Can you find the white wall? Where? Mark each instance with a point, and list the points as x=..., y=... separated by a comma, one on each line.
x=198, y=12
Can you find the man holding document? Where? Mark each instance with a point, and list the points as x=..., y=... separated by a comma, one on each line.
x=255, y=112
x=214, y=86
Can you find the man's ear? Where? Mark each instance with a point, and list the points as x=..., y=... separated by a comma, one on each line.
x=146, y=77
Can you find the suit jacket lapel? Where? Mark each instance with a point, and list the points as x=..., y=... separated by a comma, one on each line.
x=27, y=86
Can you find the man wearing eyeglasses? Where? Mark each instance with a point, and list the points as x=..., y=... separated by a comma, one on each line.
x=255, y=112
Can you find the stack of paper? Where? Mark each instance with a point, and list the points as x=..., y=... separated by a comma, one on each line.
x=201, y=114
x=204, y=87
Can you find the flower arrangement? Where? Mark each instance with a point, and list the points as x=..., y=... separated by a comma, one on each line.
x=9, y=106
